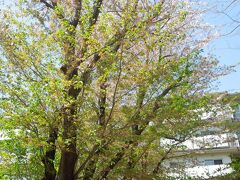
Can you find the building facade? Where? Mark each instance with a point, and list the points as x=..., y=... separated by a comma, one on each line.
x=206, y=155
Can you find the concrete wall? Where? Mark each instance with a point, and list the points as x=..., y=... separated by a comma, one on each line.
x=195, y=166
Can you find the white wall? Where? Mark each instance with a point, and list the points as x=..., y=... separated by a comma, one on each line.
x=194, y=166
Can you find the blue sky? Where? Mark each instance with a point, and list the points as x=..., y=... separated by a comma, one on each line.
x=227, y=47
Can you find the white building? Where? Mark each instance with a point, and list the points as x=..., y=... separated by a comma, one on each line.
x=206, y=155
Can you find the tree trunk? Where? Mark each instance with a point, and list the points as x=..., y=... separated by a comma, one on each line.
x=69, y=151
x=48, y=159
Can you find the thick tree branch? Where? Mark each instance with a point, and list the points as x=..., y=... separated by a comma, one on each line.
x=78, y=8
x=91, y=154
x=156, y=169
x=118, y=157
x=139, y=131
x=96, y=10
x=54, y=6
x=115, y=90
x=47, y=4
x=104, y=173
x=91, y=167
x=179, y=141
x=95, y=150
x=48, y=159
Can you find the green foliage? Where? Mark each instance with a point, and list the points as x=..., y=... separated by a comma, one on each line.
x=103, y=84
x=236, y=164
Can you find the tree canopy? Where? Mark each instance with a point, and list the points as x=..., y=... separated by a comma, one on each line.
x=89, y=87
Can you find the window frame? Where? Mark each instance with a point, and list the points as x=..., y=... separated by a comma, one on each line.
x=211, y=162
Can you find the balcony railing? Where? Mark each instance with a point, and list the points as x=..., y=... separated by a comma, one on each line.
x=226, y=140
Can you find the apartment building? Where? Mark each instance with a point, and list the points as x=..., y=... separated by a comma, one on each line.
x=208, y=154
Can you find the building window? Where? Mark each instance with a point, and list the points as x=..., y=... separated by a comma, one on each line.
x=209, y=162
x=218, y=161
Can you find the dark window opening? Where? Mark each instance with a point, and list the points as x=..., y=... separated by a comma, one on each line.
x=213, y=162
x=218, y=161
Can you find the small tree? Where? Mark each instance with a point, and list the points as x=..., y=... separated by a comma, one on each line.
x=89, y=87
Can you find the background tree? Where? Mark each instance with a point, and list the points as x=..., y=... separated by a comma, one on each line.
x=88, y=88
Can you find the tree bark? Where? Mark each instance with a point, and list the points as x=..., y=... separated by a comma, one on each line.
x=48, y=159
x=69, y=151
x=91, y=167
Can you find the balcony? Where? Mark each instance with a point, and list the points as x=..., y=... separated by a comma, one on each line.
x=226, y=140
